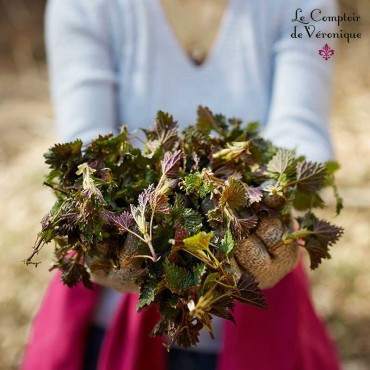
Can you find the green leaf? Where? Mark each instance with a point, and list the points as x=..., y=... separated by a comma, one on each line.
x=227, y=244
x=192, y=182
x=198, y=272
x=177, y=278
x=198, y=241
x=233, y=194
x=253, y=127
x=303, y=200
x=147, y=293
x=283, y=161
x=206, y=120
x=210, y=281
x=215, y=217
x=180, y=216
x=195, y=183
x=331, y=168
x=60, y=154
x=109, y=146
x=233, y=151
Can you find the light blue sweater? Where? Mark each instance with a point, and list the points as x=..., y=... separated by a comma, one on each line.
x=115, y=62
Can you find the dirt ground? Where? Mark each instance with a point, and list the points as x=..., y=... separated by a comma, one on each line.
x=341, y=287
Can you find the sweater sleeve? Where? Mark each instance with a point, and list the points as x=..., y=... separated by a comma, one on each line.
x=83, y=80
x=301, y=85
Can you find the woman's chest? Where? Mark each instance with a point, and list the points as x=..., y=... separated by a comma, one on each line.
x=156, y=74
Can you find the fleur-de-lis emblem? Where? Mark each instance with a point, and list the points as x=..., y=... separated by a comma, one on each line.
x=326, y=52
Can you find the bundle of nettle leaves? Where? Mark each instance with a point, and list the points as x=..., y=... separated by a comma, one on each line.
x=182, y=258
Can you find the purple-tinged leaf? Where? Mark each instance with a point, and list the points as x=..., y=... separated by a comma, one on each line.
x=241, y=227
x=317, y=252
x=310, y=175
x=247, y=291
x=159, y=203
x=253, y=195
x=319, y=236
x=144, y=197
x=327, y=233
x=124, y=221
x=171, y=163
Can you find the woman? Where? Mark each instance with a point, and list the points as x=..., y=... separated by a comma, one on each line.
x=118, y=62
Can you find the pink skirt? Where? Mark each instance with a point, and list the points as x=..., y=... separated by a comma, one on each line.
x=287, y=336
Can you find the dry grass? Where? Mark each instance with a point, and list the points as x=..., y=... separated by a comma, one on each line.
x=341, y=287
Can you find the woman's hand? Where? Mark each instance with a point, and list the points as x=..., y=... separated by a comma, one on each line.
x=257, y=254
x=122, y=279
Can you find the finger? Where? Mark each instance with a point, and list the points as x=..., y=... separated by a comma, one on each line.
x=253, y=256
x=270, y=230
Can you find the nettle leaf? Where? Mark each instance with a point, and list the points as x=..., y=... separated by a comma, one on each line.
x=206, y=120
x=227, y=244
x=198, y=272
x=108, y=146
x=210, y=281
x=247, y=291
x=198, y=241
x=319, y=236
x=73, y=273
x=187, y=334
x=233, y=194
x=241, y=227
x=177, y=278
x=123, y=222
x=185, y=217
x=253, y=127
x=253, y=195
x=310, y=175
x=60, y=154
x=159, y=203
x=221, y=125
x=234, y=150
x=317, y=252
x=147, y=292
x=223, y=308
x=215, y=217
x=304, y=200
x=283, y=161
x=331, y=168
x=165, y=132
x=326, y=232
x=195, y=183
x=171, y=163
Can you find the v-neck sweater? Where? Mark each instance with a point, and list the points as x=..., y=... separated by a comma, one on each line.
x=118, y=62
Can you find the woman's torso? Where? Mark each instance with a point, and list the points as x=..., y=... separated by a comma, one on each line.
x=155, y=73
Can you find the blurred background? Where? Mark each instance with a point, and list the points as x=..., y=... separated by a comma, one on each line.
x=341, y=287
